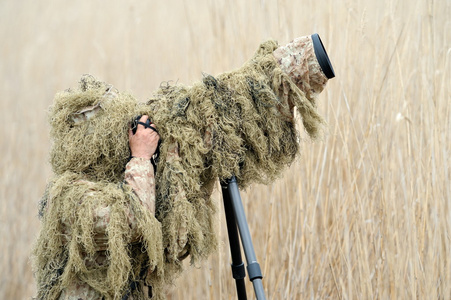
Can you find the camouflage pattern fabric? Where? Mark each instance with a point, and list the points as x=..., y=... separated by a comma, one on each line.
x=298, y=60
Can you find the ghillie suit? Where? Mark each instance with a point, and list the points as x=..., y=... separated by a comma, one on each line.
x=99, y=237
x=240, y=123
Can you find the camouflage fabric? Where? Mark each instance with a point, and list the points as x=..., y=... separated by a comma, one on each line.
x=80, y=290
x=139, y=174
x=298, y=60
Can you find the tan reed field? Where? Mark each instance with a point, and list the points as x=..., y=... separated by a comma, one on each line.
x=364, y=213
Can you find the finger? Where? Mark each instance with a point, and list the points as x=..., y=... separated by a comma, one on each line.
x=154, y=128
x=144, y=118
x=144, y=121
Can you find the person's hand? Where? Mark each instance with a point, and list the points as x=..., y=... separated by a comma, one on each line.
x=145, y=141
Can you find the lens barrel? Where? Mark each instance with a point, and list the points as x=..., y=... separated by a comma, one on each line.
x=321, y=56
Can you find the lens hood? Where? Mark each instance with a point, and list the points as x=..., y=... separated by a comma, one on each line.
x=321, y=56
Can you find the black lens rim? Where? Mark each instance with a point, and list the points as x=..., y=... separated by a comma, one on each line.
x=322, y=57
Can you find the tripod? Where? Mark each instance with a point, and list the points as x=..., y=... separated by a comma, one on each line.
x=235, y=216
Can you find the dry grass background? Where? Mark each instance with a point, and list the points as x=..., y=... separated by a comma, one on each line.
x=363, y=214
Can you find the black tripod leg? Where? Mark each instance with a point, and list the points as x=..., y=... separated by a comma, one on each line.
x=238, y=270
x=253, y=268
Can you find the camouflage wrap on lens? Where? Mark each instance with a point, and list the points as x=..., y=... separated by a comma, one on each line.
x=298, y=60
x=240, y=123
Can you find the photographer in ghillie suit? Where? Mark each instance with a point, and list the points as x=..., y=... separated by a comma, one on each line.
x=139, y=176
x=111, y=227
x=99, y=237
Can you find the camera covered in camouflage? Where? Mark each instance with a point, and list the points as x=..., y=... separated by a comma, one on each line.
x=240, y=123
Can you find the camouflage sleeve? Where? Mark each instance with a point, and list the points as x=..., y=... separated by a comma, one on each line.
x=139, y=175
